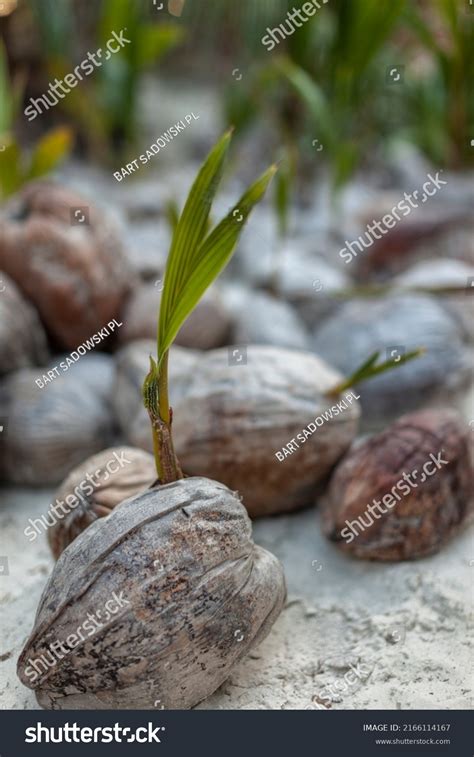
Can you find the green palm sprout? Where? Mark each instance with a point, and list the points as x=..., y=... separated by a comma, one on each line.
x=197, y=256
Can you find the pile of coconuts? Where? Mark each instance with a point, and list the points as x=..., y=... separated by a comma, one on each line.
x=169, y=533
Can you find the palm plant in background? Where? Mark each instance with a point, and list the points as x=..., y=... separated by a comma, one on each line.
x=441, y=101
x=329, y=79
x=17, y=166
x=105, y=105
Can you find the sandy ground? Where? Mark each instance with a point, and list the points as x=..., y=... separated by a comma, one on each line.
x=405, y=628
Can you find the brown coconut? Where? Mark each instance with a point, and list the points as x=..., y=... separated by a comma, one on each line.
x=92, y=491
x=75, y=274
x=418, y=518
x=233, y=418
x=193, y=595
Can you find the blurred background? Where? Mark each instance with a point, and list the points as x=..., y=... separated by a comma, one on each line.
x=360, y=104
x=363, y=103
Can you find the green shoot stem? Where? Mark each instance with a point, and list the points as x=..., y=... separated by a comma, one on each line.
x=161, y=417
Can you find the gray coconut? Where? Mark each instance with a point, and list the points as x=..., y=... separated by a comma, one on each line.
x=132, y=365
x=207, y=327
x=448, y=274
x=262, y=318
x=193, y=594
x=234, y=416
x=52, y=429
x=403, y=323
x=311, y=284
x=95, y=488
x=22, y=337
x=65, y=255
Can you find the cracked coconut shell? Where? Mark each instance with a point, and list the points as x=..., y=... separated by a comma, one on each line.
x=196, y=595
x=74, y=273
x=419, y=519
x=96, y=498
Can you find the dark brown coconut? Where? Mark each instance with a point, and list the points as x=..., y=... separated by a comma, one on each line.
x=22, y=337
x=418, y=519
x=93, y=491
x=207, y=327
x=196, y=593
x=75, y=274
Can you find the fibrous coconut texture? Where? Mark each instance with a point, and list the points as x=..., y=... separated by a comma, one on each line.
x=54, y=428
x=22, y=337
x=421, y=507
x=194, y=594
x=234, y=417
x=65, y=255
x=95, y=487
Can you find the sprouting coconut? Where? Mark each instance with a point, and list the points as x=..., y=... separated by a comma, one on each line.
x=160, y=599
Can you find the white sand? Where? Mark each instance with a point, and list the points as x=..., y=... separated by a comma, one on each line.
x=408, y=623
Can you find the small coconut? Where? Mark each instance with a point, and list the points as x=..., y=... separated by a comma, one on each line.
x=133, y=363
x=54, y=428
x=22, y=337
x=236, y=414
x=65, y=255
x=93, y=489
x=155, y=603
x=382, y=503
x=445, y=274
x=208, y=326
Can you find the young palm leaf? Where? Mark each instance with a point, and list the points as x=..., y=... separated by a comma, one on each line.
x=196, y=258
x=369, y=369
